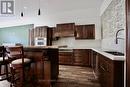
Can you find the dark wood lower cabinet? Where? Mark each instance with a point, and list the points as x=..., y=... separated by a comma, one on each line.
x=94, y=61
x=66, y=58
x=45, y=67
x=81, y=57
x=111, y=72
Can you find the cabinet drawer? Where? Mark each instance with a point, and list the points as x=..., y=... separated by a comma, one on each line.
x=81, y=57
x=78, y=59
x=65, y=58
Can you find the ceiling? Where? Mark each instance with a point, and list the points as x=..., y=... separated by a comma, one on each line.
x=53, y=11
x=54, y=6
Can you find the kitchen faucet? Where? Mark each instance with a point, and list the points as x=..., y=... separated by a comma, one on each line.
x=117, y=36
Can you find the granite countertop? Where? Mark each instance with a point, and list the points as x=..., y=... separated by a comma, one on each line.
x=70, y=49
x=98, y=50
x=110, y=56
x=53, y=47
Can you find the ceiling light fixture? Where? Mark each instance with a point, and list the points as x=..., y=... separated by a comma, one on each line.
x=39, y=11
x=22, y=14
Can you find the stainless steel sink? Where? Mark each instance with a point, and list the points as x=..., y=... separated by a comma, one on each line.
x=115, y=53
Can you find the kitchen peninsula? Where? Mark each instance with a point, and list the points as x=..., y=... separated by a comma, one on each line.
x=44, y=64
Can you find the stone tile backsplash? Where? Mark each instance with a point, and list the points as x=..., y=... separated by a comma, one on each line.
x=112, y=20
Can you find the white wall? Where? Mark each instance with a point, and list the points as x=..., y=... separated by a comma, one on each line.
x=81, y=44
x=104, y=6
x=55, y=11
x=113, y=19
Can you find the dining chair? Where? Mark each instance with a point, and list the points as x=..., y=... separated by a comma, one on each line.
x=4, y=64
x=19, y=66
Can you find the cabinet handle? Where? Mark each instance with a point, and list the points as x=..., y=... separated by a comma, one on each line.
x=75, y=33
x=102, y=68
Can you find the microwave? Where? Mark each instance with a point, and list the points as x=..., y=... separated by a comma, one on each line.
x=40, y=41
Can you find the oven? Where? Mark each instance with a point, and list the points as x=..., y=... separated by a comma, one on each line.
x=40, y=41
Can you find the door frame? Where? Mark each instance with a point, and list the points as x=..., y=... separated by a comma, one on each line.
x=127, y=43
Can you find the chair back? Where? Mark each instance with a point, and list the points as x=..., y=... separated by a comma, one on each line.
x=2, y=54
x=15, y=52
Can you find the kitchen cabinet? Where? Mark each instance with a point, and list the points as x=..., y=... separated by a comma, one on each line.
x=94, y=61
x=54, y=32
x=55, y=36
x=85, y=31
x=81, y=57
x=40, y=31
x=44, y=67
x=66, y=58
x=111, y=72
x=64, y=30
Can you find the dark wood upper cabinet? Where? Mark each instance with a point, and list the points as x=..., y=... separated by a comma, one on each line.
x=64, y=30
x=85, y=31
x=49, y=36
x=40, y=31
x=54, y=34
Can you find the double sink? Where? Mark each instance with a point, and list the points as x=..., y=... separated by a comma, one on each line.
x=115, y=53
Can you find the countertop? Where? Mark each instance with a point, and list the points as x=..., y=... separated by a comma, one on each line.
x=110, y=56
x=42, y=47
x=70, y=49
x=98, y=50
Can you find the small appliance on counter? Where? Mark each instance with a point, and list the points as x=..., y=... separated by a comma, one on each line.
x=40, y=41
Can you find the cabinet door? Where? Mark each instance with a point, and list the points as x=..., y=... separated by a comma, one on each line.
x=81, y=57
x=85, y=31
x=106, y=71
x=49, y=36
x=31, y=37
x=40, y=31
x=38, y=65
x=65, y=58
x=65, y=30
x=94, y=61
x=55, y=32
x=89, y=32
x=78, y=32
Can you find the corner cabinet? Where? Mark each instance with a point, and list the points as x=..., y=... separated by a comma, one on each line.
x=85, y=31
x=111, y=72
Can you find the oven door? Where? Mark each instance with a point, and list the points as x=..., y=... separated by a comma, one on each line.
x=40, y=42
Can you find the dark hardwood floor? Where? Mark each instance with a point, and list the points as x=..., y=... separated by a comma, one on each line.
x=76, y=76
x=71, y=76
